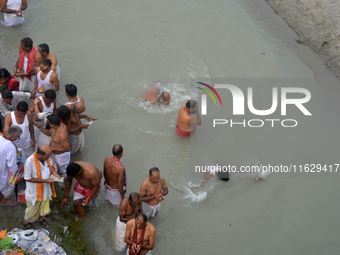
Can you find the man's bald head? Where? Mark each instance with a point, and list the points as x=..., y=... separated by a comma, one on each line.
x=44, y=152
x=78, y=107
x=117, y=150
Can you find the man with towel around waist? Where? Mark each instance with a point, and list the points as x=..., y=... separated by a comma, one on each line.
x=59, y=143
x=115, y=176
x=28, y=60
x=87, y=187
x=152, y=192
x=127, y=211
x=186, y=124
x=140, y=235
x=22, y=118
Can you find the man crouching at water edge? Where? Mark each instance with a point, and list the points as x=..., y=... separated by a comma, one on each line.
x=152, y=192
x=115, y=176
x=127, y=211
x=39, y=168
x=140, y=235
x=186, y=124
x=87, y=187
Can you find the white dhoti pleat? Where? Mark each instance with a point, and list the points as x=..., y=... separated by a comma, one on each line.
x=151, y=210
x=26, y=84
x=113, y=195
x=127, y=252
x=62, y=161
x=120, y=235
x=76, y=142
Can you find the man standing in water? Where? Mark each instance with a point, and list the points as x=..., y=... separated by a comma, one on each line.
x=87, y=187
x=71, y=93
x=186, y=124
x=152, y=192
x=127, y=211
x=115, y=176
x=44, y=50
x=59, y=143
x=28, y=60
x=140, y=235
x=46, y=79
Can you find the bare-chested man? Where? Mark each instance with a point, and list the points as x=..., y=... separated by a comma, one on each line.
x=71, y=93
x=44, y=50
x=157, y=95
x=127, y=211
x=59, y=143
x=152, y=192
x=140, y=235
x=186, y=124
x=23, y=118
x=28, y=60
x=87, y=186
x=71, y=117
x=115, y=176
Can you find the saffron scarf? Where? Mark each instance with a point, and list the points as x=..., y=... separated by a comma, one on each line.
x=134, y=239
x=40, y=186
x=30, y=62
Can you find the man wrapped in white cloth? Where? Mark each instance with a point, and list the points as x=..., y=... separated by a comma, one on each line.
x=152, y=192
x=8, y=164
x=127, y=211
x=12, y=10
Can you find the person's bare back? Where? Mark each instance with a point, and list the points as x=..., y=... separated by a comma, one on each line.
x=90, y=173
x=185, y=121
x=59, y=138
x=113, y=172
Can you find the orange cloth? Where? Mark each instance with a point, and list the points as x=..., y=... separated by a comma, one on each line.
x=3, y=234
x=40, y=186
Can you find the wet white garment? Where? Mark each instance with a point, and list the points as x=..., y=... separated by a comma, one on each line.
x=113, y=195
x=41, y=122
x=70, y=103
x=120, y=235
x=76, y=142
x=62, y=161
x=26, y=84
x=8, y=165
x=46, y=83
x=31, y=187
x=17, y=97
x=57, y=72
x=11, y=19
x=127, y=252
x=151, y=210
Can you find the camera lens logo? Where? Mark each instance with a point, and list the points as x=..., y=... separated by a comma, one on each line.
x=204, y=97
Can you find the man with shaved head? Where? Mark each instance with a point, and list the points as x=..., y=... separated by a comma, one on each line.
x=186, y=124
x=127, y=211
x=115, y=176
x=39, y=168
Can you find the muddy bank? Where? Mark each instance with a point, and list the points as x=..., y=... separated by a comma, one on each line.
x=318, y=25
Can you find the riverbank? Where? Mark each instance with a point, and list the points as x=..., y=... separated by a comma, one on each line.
x=317, y=24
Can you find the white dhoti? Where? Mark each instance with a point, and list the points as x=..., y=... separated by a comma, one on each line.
x=11, y=19
x=26, y=84
x=57, y=72
x=151, y=210
x=26, y=152
x=113, y=195
x=62, y=161
x=76, y=142
x=44, y=139
x=6, y=189
x=127, y=252
x=120, y=235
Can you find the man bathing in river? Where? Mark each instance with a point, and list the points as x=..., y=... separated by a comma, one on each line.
x=152, y=192
x=87, y=187
x=186, y=124
x=115, y=176
x=157, y=95
x=140, y=235
x=128, y=209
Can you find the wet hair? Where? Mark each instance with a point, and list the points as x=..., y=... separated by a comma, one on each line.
x=47, y=62
x=50, y=94
x=14, y=130
x=224, y=176
x=44, y=48
x=71, y=90
x=40, y=151
x=134, y=195
x=64, y=113
x=22, y=106
x=191, y=104
x=117, y=149
x=28, y=42
x=154, y=169
x=4, y=73
x=73, y=169
x=7, y=94
x=145, y=219
x=54, y=119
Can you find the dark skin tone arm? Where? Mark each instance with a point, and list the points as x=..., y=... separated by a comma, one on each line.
x=96, y=185
x=68, y=184
x=31, y=129
x=17, y=12
x=43, y=130
x=144, y=187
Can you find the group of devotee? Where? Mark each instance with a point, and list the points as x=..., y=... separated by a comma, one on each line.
x=46, y=136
